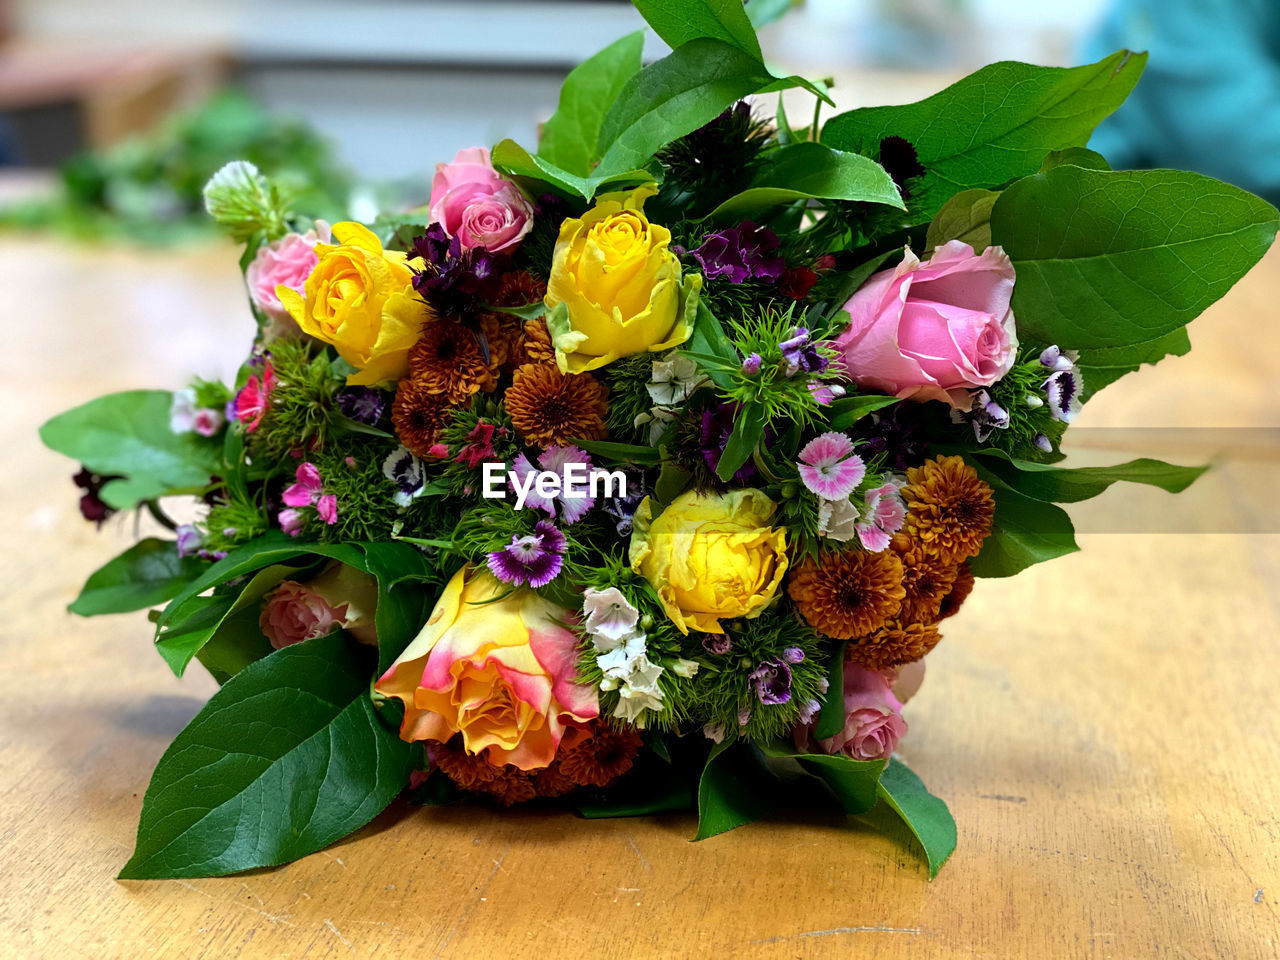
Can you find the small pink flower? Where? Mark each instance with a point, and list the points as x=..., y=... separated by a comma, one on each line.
x=291, y=521
x=824, y=393
x=286, y=262
x=480, y=208
x=873, y=717
x=883, y=517
x=327, y=507
x=829, y=467
x=251, y=402
x=306, y=488
x=479, y=446
x=207, y=421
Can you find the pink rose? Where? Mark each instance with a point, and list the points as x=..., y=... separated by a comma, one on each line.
x=932, y=330
x=286, y=262
x=341, y=597
x=477, y=206
x=873, y=717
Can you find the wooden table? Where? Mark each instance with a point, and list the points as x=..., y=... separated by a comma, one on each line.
x=1103, y=727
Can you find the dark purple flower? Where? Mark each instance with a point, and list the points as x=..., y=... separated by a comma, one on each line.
x=799, y=353
x=623, y=509
x=717, y=427
x=900, y=160
x=535, y=559
x=741, y=253
x=718, y=643
x=453, y=280
x=92, y=507
x=362, y=404
x=1063, y=392
x=772, y=682
x=899, y=432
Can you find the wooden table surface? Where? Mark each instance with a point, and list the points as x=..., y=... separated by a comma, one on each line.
x=1103, y=727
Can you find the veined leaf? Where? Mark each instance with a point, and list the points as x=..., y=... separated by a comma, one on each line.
x=571, y=137
x=853, y=782
x=993, y=126
x=926, y=815
x=287, y=757
x=514, y=160
x=148, y=573
x=1105, y=365
x=807, y=170
x=1042, y=481
x=734, y=789
x=965, y=217
x=679, y=21
x=846, y=411
x=748, y=429
x=1025, y=532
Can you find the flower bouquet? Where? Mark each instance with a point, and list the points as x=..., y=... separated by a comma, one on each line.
x=639, y=473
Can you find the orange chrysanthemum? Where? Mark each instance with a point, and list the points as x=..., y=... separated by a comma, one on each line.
x=925, y=577
x=451, y=360
x=506, y=783
x=551, y=781
x=960, y=591
x=599, y=760
x=502, y=334
x=535, y=345
x=519, y=288
x=848, y=594
x=550, y=408
x=418, y=415
x=893, y=644
x=949, y=510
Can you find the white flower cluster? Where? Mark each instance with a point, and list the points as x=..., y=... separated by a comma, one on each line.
x=614, y=627
x=674, y=381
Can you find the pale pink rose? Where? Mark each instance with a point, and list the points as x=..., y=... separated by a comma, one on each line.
x=873, y=717
x=477, y=206
x=341, y=597
x=286, y=262
x=932, y=330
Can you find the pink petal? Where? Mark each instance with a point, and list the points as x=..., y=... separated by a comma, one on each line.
x=298, y=495
x=327, y=507
x=872, y=537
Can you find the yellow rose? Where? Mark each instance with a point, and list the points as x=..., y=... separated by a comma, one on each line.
x=615, y=286
x=710, y=557
x=360, y=299
x=496, y=665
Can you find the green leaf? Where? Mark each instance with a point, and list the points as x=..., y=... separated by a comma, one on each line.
x=677, y=95
x=748, y=429
x=708, y=338
x=286, y=758
x=853, y=782
x=804, y=171
x=1109, y=259
x=832, y=716
x=570, y=138
x=1076, y=157
x=965, y=217
x=734, y=789
x=237, y=642
x=993, y=126
x=926, y=815
x=1025, y=532
x=620, y=452
x=148, y=573
x=514, y=160
x=652, y=786
x=673, y=480
x=128, y=433
x=680, y=21
x=403, y=606
x=846, y=411
x=1042, y=481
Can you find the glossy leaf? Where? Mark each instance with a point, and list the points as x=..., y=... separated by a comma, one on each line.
x=514, y=160
x=734, y=789
x=1025, y=532
x=1105, y=365
x=679, y=21
x=748, y=430
x=1109, y=259
x=283, y=760
x=965, y=217
x=620, y=452
x=993, y=126
x=846, y=411
x=571, y=136
x=128, y=433
x=148, y=573
x=806, y=170
x=852, y=782
x=926, y=815
x=832, y=716
x=1047, y=482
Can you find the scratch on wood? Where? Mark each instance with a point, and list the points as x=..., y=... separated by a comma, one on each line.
x=1005, y=798
x=497, y=865
x=338, y=933
x=643, y=861
x=1257, y=897
x=841, y=930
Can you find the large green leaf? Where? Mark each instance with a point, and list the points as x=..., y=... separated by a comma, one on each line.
x=831, y=716
x=993, y=126
x=679, y=21
x=514, y=160
x=807, y=170
x=128, y=433
x=677, y=95
x=1025, y=532
x=570, y=138
x=1043, y=481
x=403, y=604
x=1109, y=259
x=1105, y=365
x=764, y=12
x=926, y=815
x=965, y=217
x=286, y=758
x=852, y=782
x=237, y=642
x=148, y=573
x=734, y=789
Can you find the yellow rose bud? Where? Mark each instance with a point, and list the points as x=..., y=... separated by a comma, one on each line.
x=710, y=557
x=360, y=299
x=615, y=287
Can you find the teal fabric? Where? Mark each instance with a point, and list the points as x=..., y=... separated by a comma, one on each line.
x=1210, y=97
